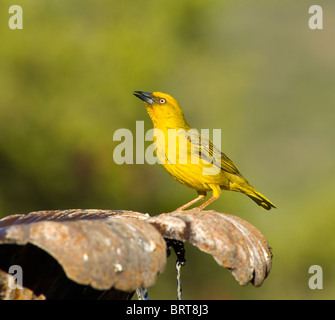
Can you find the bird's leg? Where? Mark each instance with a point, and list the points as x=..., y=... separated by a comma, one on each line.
x=216, y=194
x=205, y=204
x=202, y=194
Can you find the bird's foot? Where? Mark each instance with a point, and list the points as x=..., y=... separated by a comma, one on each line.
x=188, y=210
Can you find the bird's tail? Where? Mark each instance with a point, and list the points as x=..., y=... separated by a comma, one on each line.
x=259, y=198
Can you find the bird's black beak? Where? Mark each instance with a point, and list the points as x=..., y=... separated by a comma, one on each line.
x=145, y=96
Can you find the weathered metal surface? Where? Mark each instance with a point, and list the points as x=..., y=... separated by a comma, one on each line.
x=69, y=215
x=105, y=254
x=100, y=248
x=233, y=242
x=43, y=275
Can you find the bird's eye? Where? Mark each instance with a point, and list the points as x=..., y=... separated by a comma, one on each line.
x=162, y=101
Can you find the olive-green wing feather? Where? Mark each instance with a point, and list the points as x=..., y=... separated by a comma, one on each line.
x=210, y=153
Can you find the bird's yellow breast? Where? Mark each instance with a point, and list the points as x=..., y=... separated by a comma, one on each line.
x=182, y=161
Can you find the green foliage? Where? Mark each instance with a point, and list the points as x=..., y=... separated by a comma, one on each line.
x=266, y=79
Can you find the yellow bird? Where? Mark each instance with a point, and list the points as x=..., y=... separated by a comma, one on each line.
x=190, y=154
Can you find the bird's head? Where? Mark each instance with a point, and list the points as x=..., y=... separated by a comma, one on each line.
x=163, y=109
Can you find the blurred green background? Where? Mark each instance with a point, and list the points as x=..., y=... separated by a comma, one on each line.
x=252, y=68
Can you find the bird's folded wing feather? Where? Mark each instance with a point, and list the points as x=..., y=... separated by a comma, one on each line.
x=210, y=153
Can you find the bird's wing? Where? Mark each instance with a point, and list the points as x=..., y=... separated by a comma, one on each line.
x=210, y=153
